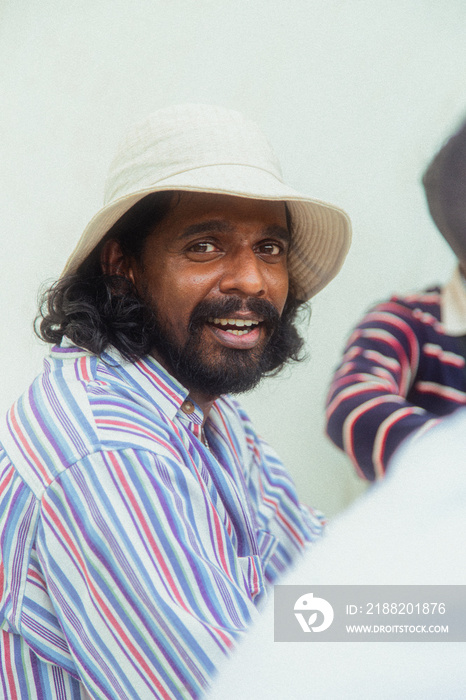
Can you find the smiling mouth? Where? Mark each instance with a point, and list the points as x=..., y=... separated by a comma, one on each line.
x=235, y=326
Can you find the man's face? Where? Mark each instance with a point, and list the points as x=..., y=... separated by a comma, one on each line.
x=214, y=272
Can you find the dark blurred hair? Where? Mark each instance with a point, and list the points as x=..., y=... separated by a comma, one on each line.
x=95, y=310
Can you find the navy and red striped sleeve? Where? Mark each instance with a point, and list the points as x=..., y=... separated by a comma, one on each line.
x=368, y=410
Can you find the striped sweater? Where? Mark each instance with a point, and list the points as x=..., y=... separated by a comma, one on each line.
x=400, y=372
x=132, y=555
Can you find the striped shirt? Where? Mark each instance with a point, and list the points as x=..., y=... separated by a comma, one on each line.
x=133, y=556
x=401, y=371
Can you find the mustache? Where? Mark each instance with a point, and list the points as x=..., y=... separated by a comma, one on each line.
x=223, y=308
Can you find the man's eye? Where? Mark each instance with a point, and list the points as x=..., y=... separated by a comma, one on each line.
x=203, y=247
x=270, y=248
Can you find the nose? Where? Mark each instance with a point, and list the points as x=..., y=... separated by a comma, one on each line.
x=243, y=275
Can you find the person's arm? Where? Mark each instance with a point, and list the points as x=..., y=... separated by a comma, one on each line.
x=141, y=565
x=368, y=415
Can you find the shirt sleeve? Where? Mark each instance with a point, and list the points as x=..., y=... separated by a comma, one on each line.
x=368, y=414
x=142, y=574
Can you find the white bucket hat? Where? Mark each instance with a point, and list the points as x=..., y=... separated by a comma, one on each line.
x=204, y=148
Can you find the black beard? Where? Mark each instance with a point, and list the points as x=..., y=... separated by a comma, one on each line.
x=228, y=370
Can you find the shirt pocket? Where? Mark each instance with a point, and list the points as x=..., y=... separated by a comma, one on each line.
x=253, y=566
x=253, y=575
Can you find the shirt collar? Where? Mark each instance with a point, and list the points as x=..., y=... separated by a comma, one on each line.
x=162, y=388
x=453, y=305
x=152, y=382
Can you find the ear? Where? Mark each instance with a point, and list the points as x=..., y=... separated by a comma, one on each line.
x=114, y=262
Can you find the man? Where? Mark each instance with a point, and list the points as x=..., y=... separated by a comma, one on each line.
x=142, y=518
x=403, y=367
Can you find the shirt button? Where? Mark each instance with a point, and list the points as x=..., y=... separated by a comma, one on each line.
x=188, y=406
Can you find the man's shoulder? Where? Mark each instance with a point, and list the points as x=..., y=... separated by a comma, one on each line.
x=422, y=305
x=231, y=417
x=77, y=406
x=230, y=405
x=229, y=412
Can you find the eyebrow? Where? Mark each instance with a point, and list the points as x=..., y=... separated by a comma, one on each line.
x=279, y=232
x=210, y=226
x=219, y=226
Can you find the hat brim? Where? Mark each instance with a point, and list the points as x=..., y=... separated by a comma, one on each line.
x=321, y=232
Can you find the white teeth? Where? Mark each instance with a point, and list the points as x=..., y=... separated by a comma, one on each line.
x=238, y=322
